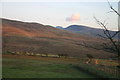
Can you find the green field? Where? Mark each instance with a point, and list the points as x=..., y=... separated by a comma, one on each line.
x=29, y=68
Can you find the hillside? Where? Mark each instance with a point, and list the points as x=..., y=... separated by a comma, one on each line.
x=37, y=38
x=11, y=27
x=85, y=30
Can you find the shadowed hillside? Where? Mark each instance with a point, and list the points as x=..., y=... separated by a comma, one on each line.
x=37, y=38
x=85, y=30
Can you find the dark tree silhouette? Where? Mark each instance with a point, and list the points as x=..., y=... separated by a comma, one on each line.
x=107, y=33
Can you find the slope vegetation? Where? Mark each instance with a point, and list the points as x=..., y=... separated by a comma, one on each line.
x=37, y=38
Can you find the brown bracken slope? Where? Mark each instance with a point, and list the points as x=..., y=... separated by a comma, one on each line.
x=37, y=38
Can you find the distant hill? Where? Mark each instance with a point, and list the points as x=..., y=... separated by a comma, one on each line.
x=59, y=27
x=35, y=38
x=85, y=30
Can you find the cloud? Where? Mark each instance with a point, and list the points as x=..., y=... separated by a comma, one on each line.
x=75, y=17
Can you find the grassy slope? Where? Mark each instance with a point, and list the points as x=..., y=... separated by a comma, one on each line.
x=31, y=68
x=37, y=38
x=53, y=46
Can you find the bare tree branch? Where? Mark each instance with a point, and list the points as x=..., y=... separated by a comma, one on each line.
x=110, y=11
x=108, y=35
x=113, y=9
x=105, y=30
x=115, y=34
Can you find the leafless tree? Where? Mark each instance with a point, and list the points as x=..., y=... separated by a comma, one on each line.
x=107, y=33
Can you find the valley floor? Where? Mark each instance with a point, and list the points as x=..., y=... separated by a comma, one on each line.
x=21, y=66
x=40, y=67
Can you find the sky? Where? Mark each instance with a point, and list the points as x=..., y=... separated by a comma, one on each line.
x=62, y=13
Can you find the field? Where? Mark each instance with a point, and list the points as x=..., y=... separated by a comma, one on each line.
x=29, y=67
x=16, y=66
